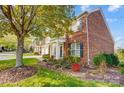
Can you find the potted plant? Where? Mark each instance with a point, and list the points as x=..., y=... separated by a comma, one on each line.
x=75, y=64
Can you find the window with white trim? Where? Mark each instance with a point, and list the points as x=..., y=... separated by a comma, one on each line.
x=77, y=26
x=75, y=49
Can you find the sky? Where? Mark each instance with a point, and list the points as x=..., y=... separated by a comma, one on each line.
x=114, y=15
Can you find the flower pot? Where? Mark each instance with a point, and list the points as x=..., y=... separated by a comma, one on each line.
x=76, y=67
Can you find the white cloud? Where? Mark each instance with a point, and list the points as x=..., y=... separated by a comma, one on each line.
x=112, y=20
x=112, y=8
x=85, y=8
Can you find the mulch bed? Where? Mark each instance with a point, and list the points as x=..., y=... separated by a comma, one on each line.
x=112, y=75
x=16, y=74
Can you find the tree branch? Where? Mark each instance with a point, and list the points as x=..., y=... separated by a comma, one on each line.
x=32, y=15
x=7, y=13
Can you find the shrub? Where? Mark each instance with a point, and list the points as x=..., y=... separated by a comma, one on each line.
x=46, y=56
x=76, y=60
x=72, y=59
x=99, y=58
x=115, y=60
x=110, y=59
x=69, y=60
x=66, y=62
x=36, y=53
x=51, y=59
x=121, y=64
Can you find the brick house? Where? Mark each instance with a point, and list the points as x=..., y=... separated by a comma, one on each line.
x=91, y=36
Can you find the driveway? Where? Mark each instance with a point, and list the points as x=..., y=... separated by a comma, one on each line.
x=6, y=56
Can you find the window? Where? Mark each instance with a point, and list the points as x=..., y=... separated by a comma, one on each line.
x=80, y=24
x=77, y=26
x=75, y=49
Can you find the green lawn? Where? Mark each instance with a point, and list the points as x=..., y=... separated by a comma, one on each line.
x=29, y=54
x=46, y=78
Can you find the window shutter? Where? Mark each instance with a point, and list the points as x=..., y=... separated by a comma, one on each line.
x=81, y=49
x=69, y=47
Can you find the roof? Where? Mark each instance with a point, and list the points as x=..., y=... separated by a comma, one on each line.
x=82, y=14
x=87, y=13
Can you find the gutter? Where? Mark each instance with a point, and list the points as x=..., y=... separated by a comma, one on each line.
x=88, y=50
x=88, y=46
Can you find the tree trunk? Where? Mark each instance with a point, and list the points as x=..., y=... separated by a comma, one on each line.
x=19, y=52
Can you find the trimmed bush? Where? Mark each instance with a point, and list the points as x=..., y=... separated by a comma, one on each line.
x=110, y=59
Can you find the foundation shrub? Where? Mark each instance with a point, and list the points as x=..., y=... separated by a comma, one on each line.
x=65, y=62
x=110, y=59
x=115, y=60
x=69, y=60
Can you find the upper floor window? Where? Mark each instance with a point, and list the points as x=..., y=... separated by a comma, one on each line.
x=77, y=26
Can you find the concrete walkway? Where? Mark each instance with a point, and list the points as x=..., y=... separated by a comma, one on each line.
x=6, y=55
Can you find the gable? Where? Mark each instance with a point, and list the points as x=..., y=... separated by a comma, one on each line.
x=98, y=26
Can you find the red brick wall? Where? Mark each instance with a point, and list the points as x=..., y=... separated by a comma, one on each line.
x=80, y=36
x=100, y=40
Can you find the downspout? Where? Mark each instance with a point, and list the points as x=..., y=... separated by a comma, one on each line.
x=88, y=50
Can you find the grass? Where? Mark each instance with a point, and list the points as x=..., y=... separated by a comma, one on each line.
x=5, y=64
x=46, y=78
x=29, y=54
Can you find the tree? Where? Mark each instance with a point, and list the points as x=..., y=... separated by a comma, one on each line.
x=20, y=20
x=34, y=20
x=9, y=41
x=56, y=21
x=59, y=21
x=120, y=54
